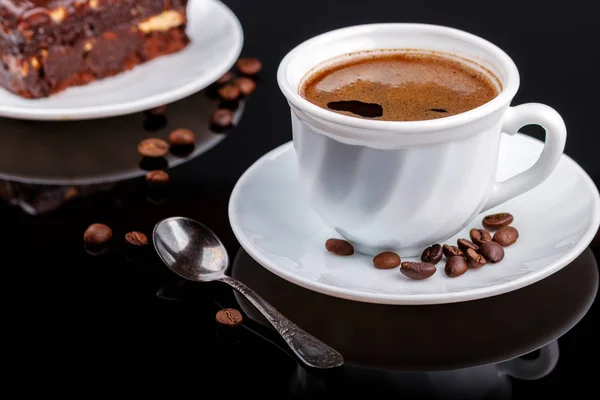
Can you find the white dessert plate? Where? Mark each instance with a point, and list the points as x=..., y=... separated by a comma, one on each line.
x=272, y=221
x=216, y=42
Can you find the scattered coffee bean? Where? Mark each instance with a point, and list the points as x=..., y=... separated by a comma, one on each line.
x=417, y=270
x=136, y=248
x=161, y=110
x=225, y=78
x=465, y=244
x=153, y=148
x=506, y=236
x=157, y=177
x=97, y=235
x=497, y=221
x=475, y=259
x=433, y=254
x=249, y=66
x=246, y=85
x=229, y=92
x=182, y=137
x=492, y=251
x=70, y=193
x=339, y=247
x=136, y=239
x=479, y=236
x=456, y=266
x=450, y=251
x=229, y=317
x=386, y=260
x=221, y=119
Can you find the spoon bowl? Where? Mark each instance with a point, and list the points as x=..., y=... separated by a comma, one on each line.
x=190, y=249
x=195, y=253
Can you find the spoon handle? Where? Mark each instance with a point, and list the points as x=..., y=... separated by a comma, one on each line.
x=309, y=349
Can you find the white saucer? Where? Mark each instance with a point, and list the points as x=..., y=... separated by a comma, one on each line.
x=556, y=220
x=216, y=42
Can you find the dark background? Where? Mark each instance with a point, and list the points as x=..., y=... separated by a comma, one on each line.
x=554, y=44
x=74, y=323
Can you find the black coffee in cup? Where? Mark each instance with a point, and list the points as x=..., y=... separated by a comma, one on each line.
x=399, y=85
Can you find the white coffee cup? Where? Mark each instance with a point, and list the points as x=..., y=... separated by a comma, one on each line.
x=402, y=186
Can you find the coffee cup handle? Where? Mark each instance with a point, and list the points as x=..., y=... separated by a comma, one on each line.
x=556, y=136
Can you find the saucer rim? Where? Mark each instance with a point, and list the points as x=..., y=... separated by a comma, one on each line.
x=412, y=299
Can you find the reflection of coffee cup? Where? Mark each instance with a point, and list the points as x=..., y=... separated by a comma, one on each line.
x=390, y=185
x=439, y=337
x=490, y=381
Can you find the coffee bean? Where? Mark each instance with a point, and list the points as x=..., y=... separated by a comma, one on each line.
x=226, y=78
x=249, y=65
x=339, y=247
x=229, y=92
x=492, y=251
x=465, y=244
x=182, y=137
x=221, y=119
x=450, y=251
x=136, y=238
x=478, y=236
x=153, y=148
x=456, y=266
x=246, y=85
x=433, y=254
x=386, y=260
x=497, y=221
x=161, y=110
x=229, y=317
x=136, y=251
x=70, y=193
x=157, y=177
x=506, y=236
x=474, y=259
x=417, y=270
x=97, y=235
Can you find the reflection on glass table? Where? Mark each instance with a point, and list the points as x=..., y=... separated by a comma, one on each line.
x=45, y=164
x=460, y=350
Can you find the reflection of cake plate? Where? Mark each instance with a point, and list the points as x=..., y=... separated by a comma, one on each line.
x=216, y=42
x=99, y=151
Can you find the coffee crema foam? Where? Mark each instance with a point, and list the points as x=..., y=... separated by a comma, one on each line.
x=399, y=86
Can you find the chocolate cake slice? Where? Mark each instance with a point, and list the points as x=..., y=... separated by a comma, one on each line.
x=49, y=45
